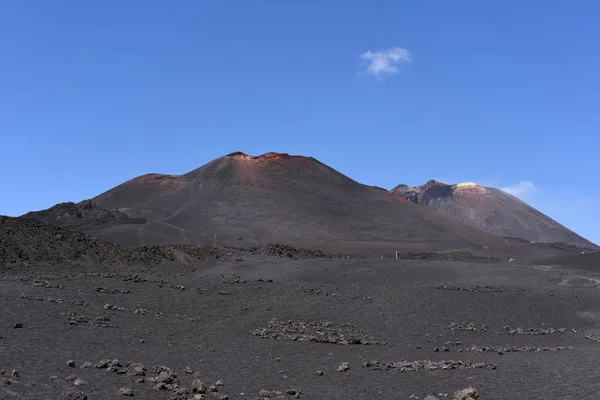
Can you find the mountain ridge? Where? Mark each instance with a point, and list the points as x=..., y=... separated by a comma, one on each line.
x=244, y=200
x=251, y=200
x=491, y=210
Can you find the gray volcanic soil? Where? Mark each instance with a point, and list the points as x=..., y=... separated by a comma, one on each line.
x=210, y=317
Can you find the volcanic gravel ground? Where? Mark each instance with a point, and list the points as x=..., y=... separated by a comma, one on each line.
x=314, y=328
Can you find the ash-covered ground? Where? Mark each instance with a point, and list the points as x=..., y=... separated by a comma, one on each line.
x=272, y=323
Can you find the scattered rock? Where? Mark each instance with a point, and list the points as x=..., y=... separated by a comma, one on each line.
x=165, y=379
x=116, y=308
x=180, y=394
x=411, y=366
x=316, y=331
x=18, y=325
x=167, y=315
x=111, y=291
x=280, y=250
x=515, y=349
x=27, y=297
x=56, y=300
x=472, y=288
x=343, y=367
x=467, y=326
x=450, y=343
x=116, y=367
x=71, y=363
x=126, y=391
x=135, y=278
x=86, y=364
x=220, y=383
x=81, y=319
x=469, y=393
x=532, y=331
x=102, y=364
x=74, y=395
x=42, y=283
x=188, y=370
x=232, y=279
x=277, y=394
x=79, y=303
x=593, y=338
x=136, y=369
x=319, y=373
x=79, y=382
x=198, y=386
x=316, y=291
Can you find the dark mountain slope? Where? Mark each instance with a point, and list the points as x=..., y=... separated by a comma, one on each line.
x=589, y=261
x=29, y=241
x=296, y=200
x=83, y=215
x=491, y=210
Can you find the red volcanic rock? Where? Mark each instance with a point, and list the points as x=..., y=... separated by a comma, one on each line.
x=491, y=210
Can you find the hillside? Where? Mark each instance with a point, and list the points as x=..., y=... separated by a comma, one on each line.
x=491, y=210
x=25, y=241
x=241, y=201
x=589, y=261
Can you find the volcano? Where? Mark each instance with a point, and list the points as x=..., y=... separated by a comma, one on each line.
x=491, y=210
x=165, y=322
x=240, y=200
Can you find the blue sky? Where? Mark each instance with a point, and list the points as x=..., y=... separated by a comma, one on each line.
x=387, y=92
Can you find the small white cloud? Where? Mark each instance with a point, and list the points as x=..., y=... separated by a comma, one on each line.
x=385, y=62
x=523, y=190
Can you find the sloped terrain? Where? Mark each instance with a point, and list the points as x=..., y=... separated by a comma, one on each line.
x=25, y=242
x=491, y=210
x=244, y=201
x=83, y=215
x=586, y=261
